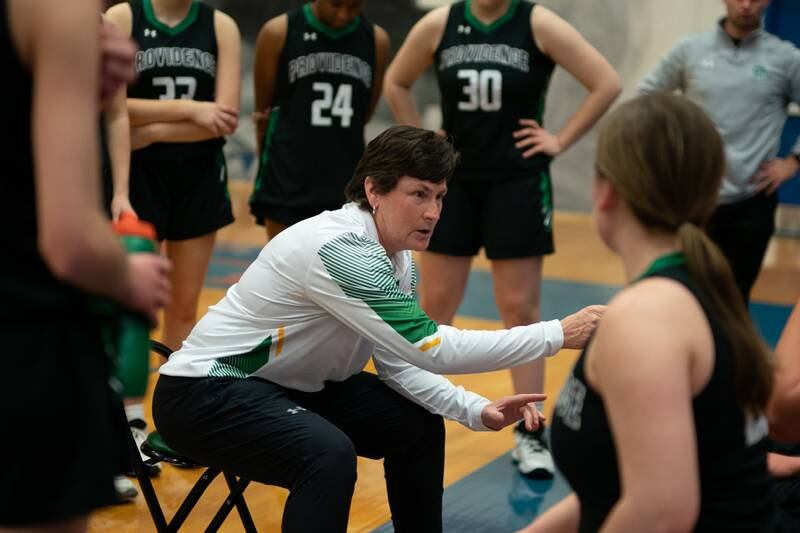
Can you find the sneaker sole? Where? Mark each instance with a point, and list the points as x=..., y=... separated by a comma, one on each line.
x=537, y=473
x=122, y=500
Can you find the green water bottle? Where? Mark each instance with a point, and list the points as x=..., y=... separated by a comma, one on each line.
x=133, y=343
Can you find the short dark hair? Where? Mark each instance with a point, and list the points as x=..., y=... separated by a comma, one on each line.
x=402, y=151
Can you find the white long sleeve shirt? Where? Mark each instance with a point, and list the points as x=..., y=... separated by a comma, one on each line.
x=322, y=297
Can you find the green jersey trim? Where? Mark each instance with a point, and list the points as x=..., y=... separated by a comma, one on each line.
x=191, y=16
x=547, y=200
x=489, y=28
x=332, y=33
x=241, y=366
x=272, y=125
x=672, y=259
x=542, y=100
x=362, y=270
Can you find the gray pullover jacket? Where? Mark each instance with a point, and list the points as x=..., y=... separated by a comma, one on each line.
x=745, y=88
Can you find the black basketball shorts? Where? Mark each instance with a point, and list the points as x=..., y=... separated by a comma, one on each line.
x=184, y=198
x=512, y=218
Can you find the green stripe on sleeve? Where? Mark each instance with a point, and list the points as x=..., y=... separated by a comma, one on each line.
x=362, y=270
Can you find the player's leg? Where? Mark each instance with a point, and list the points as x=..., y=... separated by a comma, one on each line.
x=518, y=233
x=444, y=268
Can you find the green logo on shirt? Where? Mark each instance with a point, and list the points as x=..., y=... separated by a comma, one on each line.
x=760, y=72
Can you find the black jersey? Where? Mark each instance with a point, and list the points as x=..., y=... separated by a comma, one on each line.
x=489, y=78
x=27, y=286
x=175, y=62
x=735, y=489
x=315, y=134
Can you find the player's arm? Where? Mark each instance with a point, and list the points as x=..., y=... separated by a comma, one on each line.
x=382, y=47
x=562, y=43
x=74, y=239
x=774, y=173
x=118, y=135
x=59, y=42
x=784, y=405
x=269, y=47
x=415, y=55
x=207, y=120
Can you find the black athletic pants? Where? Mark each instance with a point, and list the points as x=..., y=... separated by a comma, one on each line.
x=742, y=230
x=308, y=442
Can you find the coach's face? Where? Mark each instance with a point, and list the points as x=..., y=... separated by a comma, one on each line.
x=406, y=215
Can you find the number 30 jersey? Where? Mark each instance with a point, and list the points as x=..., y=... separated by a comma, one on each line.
x=175, y=62
x=315, y=134
x=489, y=78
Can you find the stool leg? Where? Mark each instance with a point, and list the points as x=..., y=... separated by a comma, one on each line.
x=227, y=505
x=241, y=503
x=192, y=498
x=146, y=486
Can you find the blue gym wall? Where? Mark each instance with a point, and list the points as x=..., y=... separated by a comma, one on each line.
x=783, y=19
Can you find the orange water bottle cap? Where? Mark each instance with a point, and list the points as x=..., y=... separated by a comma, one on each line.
x=129, y=224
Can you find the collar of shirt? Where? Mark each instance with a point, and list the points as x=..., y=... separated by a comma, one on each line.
x=400, y=260
x=748, y=39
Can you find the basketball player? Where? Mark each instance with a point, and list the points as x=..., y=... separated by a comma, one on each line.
x=494, y=60
x=60, y=257
x=184, y=101
x=318, y=75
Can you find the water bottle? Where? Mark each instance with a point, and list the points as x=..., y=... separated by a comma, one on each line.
x=133, y=343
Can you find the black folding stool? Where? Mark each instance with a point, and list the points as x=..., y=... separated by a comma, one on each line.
x=157, y=451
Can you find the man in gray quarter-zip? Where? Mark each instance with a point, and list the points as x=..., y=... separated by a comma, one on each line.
x=744, y=78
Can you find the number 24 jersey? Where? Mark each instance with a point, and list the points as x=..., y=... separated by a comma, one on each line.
x=315, y=134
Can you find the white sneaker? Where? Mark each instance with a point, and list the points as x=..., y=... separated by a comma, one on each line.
x=531, y=454
x=125, y=489
x=139, y=430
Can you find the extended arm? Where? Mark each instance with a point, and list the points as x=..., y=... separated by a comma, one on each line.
x=439, y=396
x=353, y=279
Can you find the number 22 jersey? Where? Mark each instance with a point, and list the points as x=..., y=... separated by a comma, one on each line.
x=315, y=134
x=490, y=76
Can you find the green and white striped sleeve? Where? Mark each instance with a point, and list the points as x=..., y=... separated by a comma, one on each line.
x=353, y=279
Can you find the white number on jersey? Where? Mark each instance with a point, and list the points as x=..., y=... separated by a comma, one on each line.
x=340, y=105
x=484, y=90
x=169, y=85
